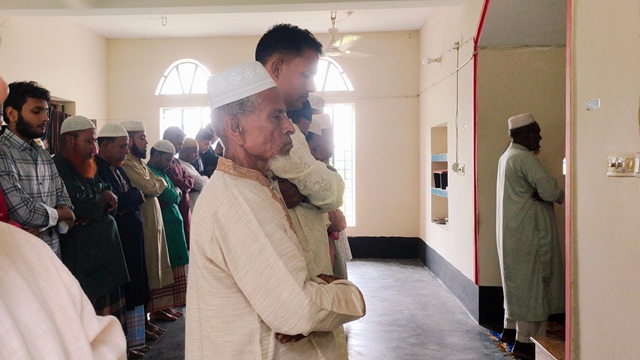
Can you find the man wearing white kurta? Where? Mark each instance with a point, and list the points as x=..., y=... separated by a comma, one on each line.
x=528, y=247
x=250, y=294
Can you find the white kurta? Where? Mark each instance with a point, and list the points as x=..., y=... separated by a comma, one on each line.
x=248, y=279
x=323, y=188
x=527, y=238
x=45, y=314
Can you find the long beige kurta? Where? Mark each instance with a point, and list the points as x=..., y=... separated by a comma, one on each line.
x=248, y=279
x=45, y=313
x=323, y=188
x=155, y=243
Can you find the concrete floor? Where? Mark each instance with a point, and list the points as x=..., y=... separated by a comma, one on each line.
x=410, y=315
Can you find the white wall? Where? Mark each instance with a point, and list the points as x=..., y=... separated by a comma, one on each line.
x=605, y=243
x=69, y=61
x=513, y=81
x=455, y=242
x=386, y=109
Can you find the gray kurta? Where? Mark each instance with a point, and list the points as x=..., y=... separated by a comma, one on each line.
x=528, y=246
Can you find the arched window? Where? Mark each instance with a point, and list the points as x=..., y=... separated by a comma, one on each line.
x=186, y=76
x=331, y=77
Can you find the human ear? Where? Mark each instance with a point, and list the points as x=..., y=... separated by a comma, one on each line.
x=233, y=128
x=275, y=68
x=11, y=113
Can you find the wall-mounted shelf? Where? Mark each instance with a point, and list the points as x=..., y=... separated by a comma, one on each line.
x=439, y=165
x=439, y=158
x=439, y=192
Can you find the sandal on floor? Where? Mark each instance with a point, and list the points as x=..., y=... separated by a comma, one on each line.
x=155, y=329
x=161, y=315
x=173, y=312
x=150, y=335
x=133, y=354
x=143, y=349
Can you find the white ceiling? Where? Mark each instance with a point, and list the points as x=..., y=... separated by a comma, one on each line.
x=525, y=22
x=508, y=22
x=199, y=18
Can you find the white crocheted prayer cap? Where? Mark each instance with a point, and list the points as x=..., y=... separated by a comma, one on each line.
x=76, y=123
x=319, y=122
x=133, y=125
x=238, y=83
x=113, y=130
x=521, y=120
x=165, y=146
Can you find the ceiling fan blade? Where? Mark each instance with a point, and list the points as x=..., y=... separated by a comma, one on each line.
x=332, y=51
x=346, y=42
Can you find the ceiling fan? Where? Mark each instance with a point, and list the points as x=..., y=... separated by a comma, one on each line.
x=340, y=45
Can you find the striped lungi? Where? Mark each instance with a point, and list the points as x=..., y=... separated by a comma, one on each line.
x=180, y=286
x=170, y=295
x=135, y=327
x=161, y=299
x=111, y=304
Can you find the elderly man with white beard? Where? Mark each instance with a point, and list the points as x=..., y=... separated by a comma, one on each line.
x=250, y=293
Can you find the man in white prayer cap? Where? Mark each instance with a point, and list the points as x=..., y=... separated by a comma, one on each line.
x=527, y=238
x=113, y=141
x=91, y=249
x=162, y=155
x=251, y=295
x=159, y=270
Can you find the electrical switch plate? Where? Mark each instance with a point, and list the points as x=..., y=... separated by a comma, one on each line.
x=621, y=165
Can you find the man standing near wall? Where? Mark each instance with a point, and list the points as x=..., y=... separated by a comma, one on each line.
x=527, y=237
x=35, y=194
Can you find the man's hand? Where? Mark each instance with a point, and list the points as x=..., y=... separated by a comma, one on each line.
x=338, y=221
x=289, y=338
x=292, y=197
x=110, y=200
x=179, y=192
x=328, y=278
x=65, y=214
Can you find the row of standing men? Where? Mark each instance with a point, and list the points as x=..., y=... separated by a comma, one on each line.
x=120, y=226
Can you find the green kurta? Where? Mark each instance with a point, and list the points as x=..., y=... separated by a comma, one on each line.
x=173, y=226
x=528, y=246
x=92, y=252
